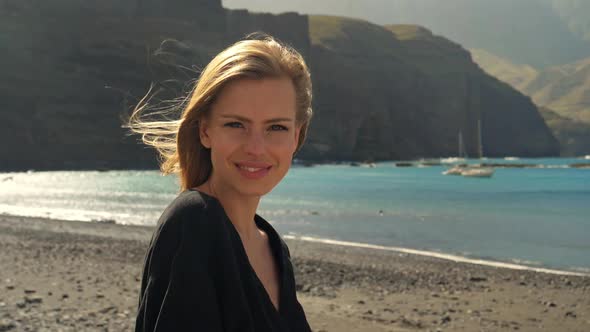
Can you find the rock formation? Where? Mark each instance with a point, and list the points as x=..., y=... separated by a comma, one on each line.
x=73, y=69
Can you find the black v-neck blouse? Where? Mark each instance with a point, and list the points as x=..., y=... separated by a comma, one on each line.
x=197, y=276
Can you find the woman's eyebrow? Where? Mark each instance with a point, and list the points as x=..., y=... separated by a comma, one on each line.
x=243, y=119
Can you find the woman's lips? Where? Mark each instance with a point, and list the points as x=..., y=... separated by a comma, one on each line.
x=253, y=170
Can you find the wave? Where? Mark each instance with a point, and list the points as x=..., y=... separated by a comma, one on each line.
x=52, y=191
x=78, y=215
x=450, y=257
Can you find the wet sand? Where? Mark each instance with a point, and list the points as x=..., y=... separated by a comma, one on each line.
x=78, y=276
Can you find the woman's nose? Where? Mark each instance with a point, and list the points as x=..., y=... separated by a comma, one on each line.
x=254, y=143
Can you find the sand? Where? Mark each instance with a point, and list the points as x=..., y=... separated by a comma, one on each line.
x=78, y=276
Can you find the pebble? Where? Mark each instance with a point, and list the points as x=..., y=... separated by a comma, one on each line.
x=6, y=325
x=33, y=299
x=478, y=279
x=411, y=322
x=107, y=309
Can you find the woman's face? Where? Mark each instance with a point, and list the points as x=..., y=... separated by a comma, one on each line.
x=252, y=134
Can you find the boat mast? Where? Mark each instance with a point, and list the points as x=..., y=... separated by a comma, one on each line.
x=462, y=152
x=479, y=143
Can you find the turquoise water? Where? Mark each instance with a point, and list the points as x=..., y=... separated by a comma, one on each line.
x=538, y=217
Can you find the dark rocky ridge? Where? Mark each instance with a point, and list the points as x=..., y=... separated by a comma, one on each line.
x=399, y=92
x=73, y=69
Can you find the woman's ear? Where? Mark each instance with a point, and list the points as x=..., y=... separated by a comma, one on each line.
x=297, y=132
x=203, y=134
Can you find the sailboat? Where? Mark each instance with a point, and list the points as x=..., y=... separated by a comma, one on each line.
x=478, y=171
x=457, y=169
x=470, y=171
x=460, y=156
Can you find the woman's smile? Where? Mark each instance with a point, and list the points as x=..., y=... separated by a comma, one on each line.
x=253, y=170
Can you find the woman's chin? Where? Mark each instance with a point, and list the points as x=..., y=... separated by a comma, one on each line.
x=254, y=191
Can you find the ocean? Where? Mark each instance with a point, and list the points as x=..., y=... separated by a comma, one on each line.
x=537, y=217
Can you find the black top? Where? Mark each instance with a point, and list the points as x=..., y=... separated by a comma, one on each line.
x=197, y=276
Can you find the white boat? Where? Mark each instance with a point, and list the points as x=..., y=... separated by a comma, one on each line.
x=455, y=170
x=478, y=172
x=452, y=160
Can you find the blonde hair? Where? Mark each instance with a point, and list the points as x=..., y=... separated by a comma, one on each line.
x=177, y=140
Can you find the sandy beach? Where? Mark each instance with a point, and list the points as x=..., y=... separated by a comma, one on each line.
x=78, y=276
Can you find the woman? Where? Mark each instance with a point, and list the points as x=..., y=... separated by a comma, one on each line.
x=213, y=264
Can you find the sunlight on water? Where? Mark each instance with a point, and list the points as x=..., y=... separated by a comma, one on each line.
x=533, y=215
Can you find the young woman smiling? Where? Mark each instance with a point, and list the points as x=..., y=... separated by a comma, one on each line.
x=213, y=264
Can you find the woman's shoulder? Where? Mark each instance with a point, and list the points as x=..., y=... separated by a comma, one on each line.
x=186, y=225
x=191, y=214
x=189, y=207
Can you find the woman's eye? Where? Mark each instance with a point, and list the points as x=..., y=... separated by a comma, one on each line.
x=277, y=127
x=233, y=125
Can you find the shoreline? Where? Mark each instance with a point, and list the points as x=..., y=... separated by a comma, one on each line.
x=439, y=255
x=428, y=253
x=73, y=275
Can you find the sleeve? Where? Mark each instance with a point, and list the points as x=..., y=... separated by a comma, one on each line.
x=299, y=320
x=177, y=291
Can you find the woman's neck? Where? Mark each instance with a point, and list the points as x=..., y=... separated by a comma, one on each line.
x=240, y=209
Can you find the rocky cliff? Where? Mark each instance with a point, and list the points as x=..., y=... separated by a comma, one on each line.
x=74, y=68
x=400, y=92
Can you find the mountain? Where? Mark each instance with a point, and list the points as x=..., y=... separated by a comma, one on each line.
x=563, y=92
x=564, y=89
x=537, y=32
x=77, y=68
x=396, y=92
x=573, y=136
x=400, y=91
x=516, y=75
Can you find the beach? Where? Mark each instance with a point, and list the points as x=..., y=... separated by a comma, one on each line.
x=82, y=276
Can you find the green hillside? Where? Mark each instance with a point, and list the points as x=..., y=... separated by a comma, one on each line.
x=516, y=75
x=564, y=89
x=563, y=92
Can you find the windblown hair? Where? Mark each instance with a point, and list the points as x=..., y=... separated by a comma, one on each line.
x=177, y=140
